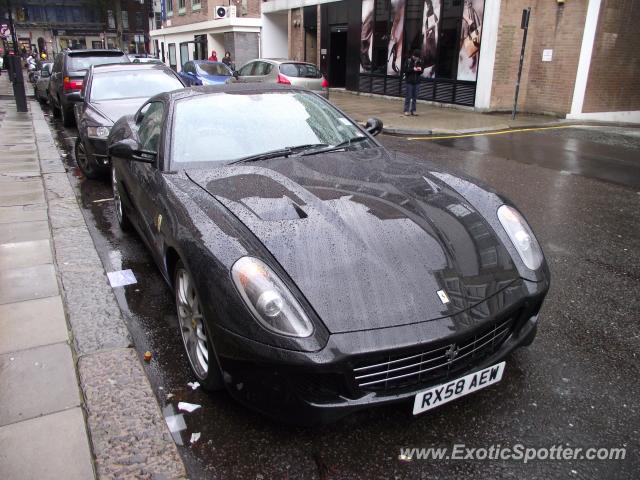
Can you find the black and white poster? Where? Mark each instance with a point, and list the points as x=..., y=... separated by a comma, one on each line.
x=366, y=36
x=470, y=39
x=430, y=35
x=396, y=37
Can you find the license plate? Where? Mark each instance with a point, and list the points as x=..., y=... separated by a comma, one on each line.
x=436, y=396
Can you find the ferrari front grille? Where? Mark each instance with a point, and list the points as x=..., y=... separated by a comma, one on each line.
x=400, y=370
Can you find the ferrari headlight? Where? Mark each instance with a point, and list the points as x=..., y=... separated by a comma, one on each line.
x=98, y=132
x=269, y=299
x=521, y=236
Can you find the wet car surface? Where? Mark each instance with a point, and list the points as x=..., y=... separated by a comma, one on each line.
x=575, y=385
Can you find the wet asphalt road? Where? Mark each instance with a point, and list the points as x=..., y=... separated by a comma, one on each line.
x=577, y=385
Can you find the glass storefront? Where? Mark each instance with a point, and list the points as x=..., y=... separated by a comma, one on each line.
x=446, y=33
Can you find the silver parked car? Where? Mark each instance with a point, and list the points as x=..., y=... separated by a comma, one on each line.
x=42, y=83
x=287, y=72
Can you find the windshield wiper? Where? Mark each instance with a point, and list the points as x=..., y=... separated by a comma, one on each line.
x=340, y=146
x=280, y=152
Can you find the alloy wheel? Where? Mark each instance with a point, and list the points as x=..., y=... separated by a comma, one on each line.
x=192, y=326
x=117, y=201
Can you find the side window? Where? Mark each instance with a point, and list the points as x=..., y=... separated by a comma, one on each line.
x=268, y=68
x=150, y=126
x=246, y=70
x=260, y=69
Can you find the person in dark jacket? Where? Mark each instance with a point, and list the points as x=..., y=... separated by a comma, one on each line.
x=227, y=59
x=412, y=73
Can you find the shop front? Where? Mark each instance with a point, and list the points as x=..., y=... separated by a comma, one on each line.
x=364, y=44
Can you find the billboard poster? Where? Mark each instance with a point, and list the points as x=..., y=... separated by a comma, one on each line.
x=366, y=35
x=430, y=35
x=470, y=39
x=396, y=37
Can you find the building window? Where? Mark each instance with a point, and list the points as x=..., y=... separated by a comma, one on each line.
x=139, y=21
x=158, y=20
x=196, y=4
x=172, y=55
x=184, y=54
x=169, y=8
x=125, y=20
x=111, y=22
x=182, y=6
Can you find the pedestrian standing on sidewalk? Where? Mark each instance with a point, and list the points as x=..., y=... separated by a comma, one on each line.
x=412, y=74
x=227, y=59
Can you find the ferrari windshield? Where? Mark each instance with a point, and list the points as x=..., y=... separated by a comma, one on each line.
x=225, y=127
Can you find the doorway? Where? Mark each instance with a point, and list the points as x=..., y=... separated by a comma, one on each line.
x=338, y=57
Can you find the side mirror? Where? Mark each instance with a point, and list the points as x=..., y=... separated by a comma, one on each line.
x=374, y=126
x=128, y=149
x=235, y=74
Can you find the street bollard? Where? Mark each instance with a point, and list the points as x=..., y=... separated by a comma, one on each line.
x=18, y=83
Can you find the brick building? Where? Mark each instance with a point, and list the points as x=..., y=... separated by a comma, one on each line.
x=580, y=61
x=46, y=26
x=191, y=29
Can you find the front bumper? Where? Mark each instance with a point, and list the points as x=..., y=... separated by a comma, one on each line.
x=321, y=387
x=97, y=150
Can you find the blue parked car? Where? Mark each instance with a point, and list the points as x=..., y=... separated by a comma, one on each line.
x=204, y=72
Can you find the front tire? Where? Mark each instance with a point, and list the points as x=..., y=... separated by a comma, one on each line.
x=85, y=162
x=121, y=215
x=56, y=110
x=67, y=117
x=194, y=332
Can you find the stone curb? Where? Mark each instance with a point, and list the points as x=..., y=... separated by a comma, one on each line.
x=127, y=431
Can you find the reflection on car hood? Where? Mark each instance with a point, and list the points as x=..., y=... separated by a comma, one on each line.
x=369, y=237
x=114, y=109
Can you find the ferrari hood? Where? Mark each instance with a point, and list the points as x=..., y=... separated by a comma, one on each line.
x=114, y=109
x=372, y=239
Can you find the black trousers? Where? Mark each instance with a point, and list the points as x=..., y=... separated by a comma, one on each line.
x=411, y=96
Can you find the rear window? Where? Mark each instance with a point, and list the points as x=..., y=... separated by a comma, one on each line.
x=83, y=62
x=132, y=84
x=303, y=70
x=213, y=69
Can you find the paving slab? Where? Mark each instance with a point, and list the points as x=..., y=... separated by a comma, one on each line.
x=432, y=118
x=65, y=213
x=33, y=323
x=37, y=381
x=25, y=254
x=53, y=447
x=23, y=213
x=18, y=284
x=57, y=186
x=129, y=436
x=24, y=231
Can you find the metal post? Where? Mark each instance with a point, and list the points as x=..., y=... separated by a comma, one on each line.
x=525, y=26
x=16, y=68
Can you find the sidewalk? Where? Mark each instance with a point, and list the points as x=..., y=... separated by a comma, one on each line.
x=431, y=119
x=75, y=402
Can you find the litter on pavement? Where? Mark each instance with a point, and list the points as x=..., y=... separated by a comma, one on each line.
x=121, y=278
x=195, y=437
x=188, y=407
x=193, y=385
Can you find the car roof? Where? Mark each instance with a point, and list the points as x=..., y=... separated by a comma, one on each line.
x=241, y=88
x=119, y=67
x=94, y=52
x=198, y=62
x=280, y=61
